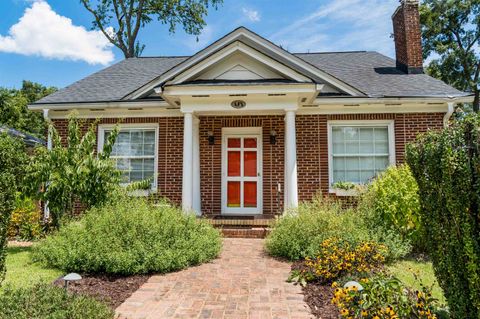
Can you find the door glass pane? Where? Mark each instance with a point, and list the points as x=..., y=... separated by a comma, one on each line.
x=233, y=194
x=250, y=194
x=250, y=163
x=250, y=143
x=233, y=163
x=234, y=142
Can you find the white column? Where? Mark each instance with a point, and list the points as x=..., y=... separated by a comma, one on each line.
x=46, y=210
x=197, y=207
x=187, y=180
x=291, y=187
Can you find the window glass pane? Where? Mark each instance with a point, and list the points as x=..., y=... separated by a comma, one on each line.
x=250, y=143
x=249, y=163
x=250, y=194
x=233, y=163
x=234, y=142
x=233, y=194
x=365, y=151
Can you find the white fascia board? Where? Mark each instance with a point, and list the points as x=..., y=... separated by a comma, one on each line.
x=386, y=100
x=374, y=108
x=188, y=90
x=98, y=105
x=239, y=47
x=254, y=38
x=115, y=113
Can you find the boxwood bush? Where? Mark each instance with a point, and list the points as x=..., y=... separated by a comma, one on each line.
x=44, y=301
x=130, y=236
x=299, y=234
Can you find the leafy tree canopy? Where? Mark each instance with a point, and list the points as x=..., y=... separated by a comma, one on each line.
x=451, y=34
x=121, y=20
x=13, y=108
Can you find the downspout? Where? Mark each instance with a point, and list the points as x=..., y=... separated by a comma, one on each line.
x=449, y=113
x=46, y=210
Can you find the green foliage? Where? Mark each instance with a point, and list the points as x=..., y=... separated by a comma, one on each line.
x=384, y=297
x=446, y=165
x=44, y=301
x=14, y=112
x=12, y=164
x=298, y=234
x=344, y=185
x=25, y=222
x=131, y=236
x=121, y=21
x=391, y=201
x=450, y=30
x=337, y=257
x=72, y=171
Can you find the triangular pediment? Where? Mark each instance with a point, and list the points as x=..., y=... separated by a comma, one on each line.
x=261, y=59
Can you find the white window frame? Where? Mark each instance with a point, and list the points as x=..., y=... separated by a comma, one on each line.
x=390, y=124
x=108, y=127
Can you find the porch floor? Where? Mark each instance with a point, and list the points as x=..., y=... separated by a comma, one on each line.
x=243, y=283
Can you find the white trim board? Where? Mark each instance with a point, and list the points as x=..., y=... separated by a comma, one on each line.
x=105, y=127
x=390, y=124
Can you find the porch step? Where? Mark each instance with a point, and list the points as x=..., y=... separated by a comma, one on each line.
x=241, y=223
x=245, y=232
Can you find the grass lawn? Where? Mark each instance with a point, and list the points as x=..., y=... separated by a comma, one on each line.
x=404, y=270
x=22, y=272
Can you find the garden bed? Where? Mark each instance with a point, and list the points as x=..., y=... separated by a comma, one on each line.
x=111, y=289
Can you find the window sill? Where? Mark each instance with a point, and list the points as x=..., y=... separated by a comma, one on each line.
x=344, y=192
x=142, y=192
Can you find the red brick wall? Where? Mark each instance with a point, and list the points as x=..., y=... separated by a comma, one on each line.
x=211, y=157
x=407, y=36
x=312, y=143
x=170, y=147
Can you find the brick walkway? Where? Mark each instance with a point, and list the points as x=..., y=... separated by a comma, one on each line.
x=242, y=283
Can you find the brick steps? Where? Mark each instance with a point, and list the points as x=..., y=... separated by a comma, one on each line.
x=243, y=227
x=245, y=232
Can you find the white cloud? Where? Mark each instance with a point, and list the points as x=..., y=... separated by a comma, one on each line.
x=342, y=25
x=43, y=32
x=251, y=15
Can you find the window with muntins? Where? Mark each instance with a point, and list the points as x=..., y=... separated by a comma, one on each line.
x=134, y=152
x=359, y=153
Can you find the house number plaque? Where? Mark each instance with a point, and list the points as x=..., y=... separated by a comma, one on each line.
x=238, y=104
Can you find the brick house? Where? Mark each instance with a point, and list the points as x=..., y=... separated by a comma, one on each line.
x=245, y=128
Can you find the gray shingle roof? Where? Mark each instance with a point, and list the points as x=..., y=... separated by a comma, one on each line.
x=370, y=72
x=376, y=75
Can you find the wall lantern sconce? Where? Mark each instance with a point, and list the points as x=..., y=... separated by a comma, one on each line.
x=211, y=138
x=273, y=137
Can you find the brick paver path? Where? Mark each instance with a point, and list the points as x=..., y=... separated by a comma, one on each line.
x=242, y=283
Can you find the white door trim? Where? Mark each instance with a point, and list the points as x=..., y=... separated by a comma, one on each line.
x=242, y=132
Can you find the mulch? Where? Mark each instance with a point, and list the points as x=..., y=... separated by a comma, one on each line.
x=111, y=289
x=318, y=297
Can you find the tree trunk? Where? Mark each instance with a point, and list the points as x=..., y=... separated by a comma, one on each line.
x=476, y=101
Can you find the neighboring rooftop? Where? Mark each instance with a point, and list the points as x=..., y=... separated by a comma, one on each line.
x=372, y=73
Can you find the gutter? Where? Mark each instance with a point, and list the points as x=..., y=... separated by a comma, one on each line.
x=449, y=113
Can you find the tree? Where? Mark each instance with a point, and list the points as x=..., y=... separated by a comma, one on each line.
x=72, y=172
x=446, y=166
x=14, y=112
x=120, y=20
x=12, y=164
x=451, y=30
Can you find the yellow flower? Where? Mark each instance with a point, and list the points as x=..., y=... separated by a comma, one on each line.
x=344, y=312
x=364, y=313
x=334, y=284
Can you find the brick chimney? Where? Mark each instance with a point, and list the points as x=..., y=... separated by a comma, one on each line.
x=408, y=38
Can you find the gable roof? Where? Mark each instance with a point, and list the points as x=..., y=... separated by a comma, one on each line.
x=369, y=74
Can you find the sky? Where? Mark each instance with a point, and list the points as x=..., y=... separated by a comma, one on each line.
x=51, y=41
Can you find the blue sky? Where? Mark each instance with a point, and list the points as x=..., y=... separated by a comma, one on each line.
x=50, y=41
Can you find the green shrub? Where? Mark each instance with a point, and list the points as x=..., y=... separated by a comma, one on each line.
x=12, y=165
x=298, y=234
x=25, y=222
x=391, y=201
x=49, y=302
x=446, y=165
x=130, y=236
x=384, y=297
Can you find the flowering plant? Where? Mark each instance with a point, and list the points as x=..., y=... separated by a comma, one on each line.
x=337, y=257
x=384, y=297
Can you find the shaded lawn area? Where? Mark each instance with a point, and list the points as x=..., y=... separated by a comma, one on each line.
x=22, y=272
x=405, y=269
